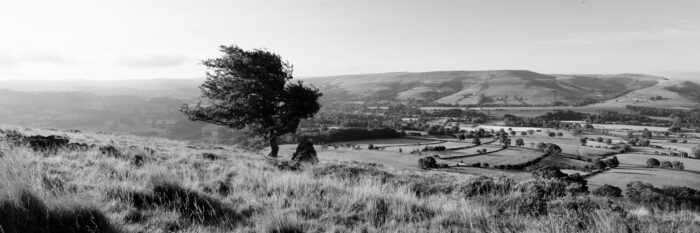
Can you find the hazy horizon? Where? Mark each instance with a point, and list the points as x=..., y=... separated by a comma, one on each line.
x=89, y=40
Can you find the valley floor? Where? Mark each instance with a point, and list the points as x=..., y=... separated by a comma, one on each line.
x=183, y=187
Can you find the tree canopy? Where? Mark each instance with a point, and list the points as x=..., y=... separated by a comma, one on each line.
x=253, y=89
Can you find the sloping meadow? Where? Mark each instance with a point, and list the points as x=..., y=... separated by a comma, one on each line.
x=157, y=185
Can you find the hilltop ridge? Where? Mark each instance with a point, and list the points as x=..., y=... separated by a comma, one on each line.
x=494, y=87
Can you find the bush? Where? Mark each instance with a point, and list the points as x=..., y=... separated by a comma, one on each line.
x=678, y=165
x=612, y=162
x=607, y=191
x=666, y=198
x=652, y=162
x=552, y=149
x=600, y=165
x=559, y=134
x=427, y=163
x=548, y=172
x=552, y=134
x=666, y=164
x=485, y=165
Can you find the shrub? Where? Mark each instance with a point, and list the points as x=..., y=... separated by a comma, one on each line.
x=607, y=191
x=696, y=152
x=652, y=162
x=484, y=185
x=541, y=146
x=523, y=133
x=600, y=165
x=678, y=165
x=599, y=139
x=643, y=142
x=485, y=165
x=552, y=134
x=548, y=172
x=559, y=134
x=552, y=149
x=612, y=162
x=665, y=164
x=427, y=163
x=673, y=140
x=666, y=198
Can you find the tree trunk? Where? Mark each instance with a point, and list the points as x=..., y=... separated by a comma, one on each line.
x=274, y=148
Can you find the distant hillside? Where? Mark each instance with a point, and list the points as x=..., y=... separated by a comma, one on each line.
x=665, y=94
x=498, y=87
x=176, y=88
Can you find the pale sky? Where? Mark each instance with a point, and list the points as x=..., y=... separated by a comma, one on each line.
x=129, y=39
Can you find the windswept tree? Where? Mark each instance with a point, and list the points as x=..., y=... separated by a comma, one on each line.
x=253, y=90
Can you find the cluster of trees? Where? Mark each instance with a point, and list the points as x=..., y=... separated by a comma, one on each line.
x=430, y=163
x=567, y=115
x=688, y=118
x=608, y=163
x=676, y=165
x=434, y=148
x=549, y=148
x=349, y=120
x=350, y=134
x=553, y=120
x=636, y=141
x=469, y=116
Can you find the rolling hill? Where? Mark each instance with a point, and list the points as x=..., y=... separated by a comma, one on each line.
x=665, y=94
x=498, y=87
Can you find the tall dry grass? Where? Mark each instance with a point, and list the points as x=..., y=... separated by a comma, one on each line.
x=179, y=189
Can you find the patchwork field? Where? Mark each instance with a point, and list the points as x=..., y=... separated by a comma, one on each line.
x=512, y=155
x=633, y=168
x=562, y=162
x=387, y=142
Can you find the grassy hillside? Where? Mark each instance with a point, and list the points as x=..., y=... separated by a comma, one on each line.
x=182, y=187
x=673, y=94
x=499, y=87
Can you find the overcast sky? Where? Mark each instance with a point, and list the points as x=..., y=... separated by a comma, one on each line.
x=127, y=39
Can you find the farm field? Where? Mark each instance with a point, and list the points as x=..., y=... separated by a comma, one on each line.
x=691, y=165
x=569, y=146
x=512, y=155
x=473, y=150
x=387, y=142
x=625, y=174
x=633, y=167
x=386, y=158
x=515, y=175
x=629, y=127
x=562, y=162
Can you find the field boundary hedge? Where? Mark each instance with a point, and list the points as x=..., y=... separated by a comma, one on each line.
x=471, y=155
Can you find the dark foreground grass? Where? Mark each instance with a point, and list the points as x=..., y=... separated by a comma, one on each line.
x=22, y=211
